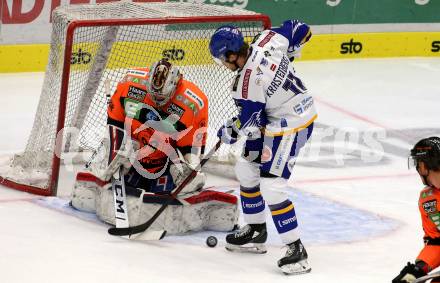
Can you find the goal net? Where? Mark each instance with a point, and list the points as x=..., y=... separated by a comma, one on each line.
x=92, y=47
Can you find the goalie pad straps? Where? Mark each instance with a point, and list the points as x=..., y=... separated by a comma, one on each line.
x=195, y=198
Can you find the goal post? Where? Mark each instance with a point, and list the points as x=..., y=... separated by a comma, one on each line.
x=92, y=48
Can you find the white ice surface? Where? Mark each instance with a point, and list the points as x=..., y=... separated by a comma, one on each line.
x=400, y=96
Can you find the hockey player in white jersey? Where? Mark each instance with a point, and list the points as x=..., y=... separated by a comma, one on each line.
x=276, y=115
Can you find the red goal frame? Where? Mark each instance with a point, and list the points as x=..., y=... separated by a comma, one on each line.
x=53, y=183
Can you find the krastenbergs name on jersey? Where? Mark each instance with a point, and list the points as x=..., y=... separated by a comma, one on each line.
x=279, y=76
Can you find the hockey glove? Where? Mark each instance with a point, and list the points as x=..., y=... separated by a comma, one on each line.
x=181, y=171
x=410, y=273
x=228, y=133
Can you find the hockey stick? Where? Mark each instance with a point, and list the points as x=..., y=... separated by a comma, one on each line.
x=121, y=211
x=129, y=231
x=120, y=199
x=427, y=277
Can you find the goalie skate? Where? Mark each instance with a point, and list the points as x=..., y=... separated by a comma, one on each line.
x=295, y=261
x=249, y=239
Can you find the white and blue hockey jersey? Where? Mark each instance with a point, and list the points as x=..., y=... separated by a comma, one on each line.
x=266, y=90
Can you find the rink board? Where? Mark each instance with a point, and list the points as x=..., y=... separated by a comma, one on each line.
x=33, y=57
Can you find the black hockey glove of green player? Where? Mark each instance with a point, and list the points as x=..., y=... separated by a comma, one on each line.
x=410, y=273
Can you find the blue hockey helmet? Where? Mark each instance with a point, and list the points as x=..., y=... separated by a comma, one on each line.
x=224, y=39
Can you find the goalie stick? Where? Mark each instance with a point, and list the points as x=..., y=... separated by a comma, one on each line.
x=129, y=231
x=427, y=277
x=121, y=211
x=120, y=199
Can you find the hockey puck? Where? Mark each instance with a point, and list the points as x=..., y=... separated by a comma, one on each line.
x=211, y=241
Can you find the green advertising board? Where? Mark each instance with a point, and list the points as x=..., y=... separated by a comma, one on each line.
x=340, y=30
x=329, y=12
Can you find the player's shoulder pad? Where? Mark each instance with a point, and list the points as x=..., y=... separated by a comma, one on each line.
x=262, y=39
x=138, y=72
x=136, y=76
x=249, y=84
x=267, y=49
x=190, y=91
x=132, y=87
x=257, y=69
x=426, y=192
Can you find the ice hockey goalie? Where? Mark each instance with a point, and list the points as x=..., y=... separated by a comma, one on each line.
x=156, y=132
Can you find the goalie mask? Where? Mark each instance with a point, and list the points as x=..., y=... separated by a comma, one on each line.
x=162, y=81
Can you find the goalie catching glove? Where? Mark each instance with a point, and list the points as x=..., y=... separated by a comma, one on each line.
x=179, y=172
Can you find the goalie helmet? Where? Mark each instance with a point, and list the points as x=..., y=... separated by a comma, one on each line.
x=427, y=151
x=163, y=80
x=225, y=39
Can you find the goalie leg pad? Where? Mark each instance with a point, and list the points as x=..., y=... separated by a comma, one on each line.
x=92, y=194
x=105, y=209
x=206, y=210
x=217, y=210
x=86, y=188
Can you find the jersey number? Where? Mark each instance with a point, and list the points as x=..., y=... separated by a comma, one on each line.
x=294, y=84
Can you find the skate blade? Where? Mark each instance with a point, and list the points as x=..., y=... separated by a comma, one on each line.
x=252, y=248
x=300, y=267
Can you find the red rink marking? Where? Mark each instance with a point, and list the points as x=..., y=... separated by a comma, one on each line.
x=351, y=114
x=404, y=136
x=18, y=199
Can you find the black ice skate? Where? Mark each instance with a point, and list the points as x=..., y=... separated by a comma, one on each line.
x=295, y=260
x=250, y=238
